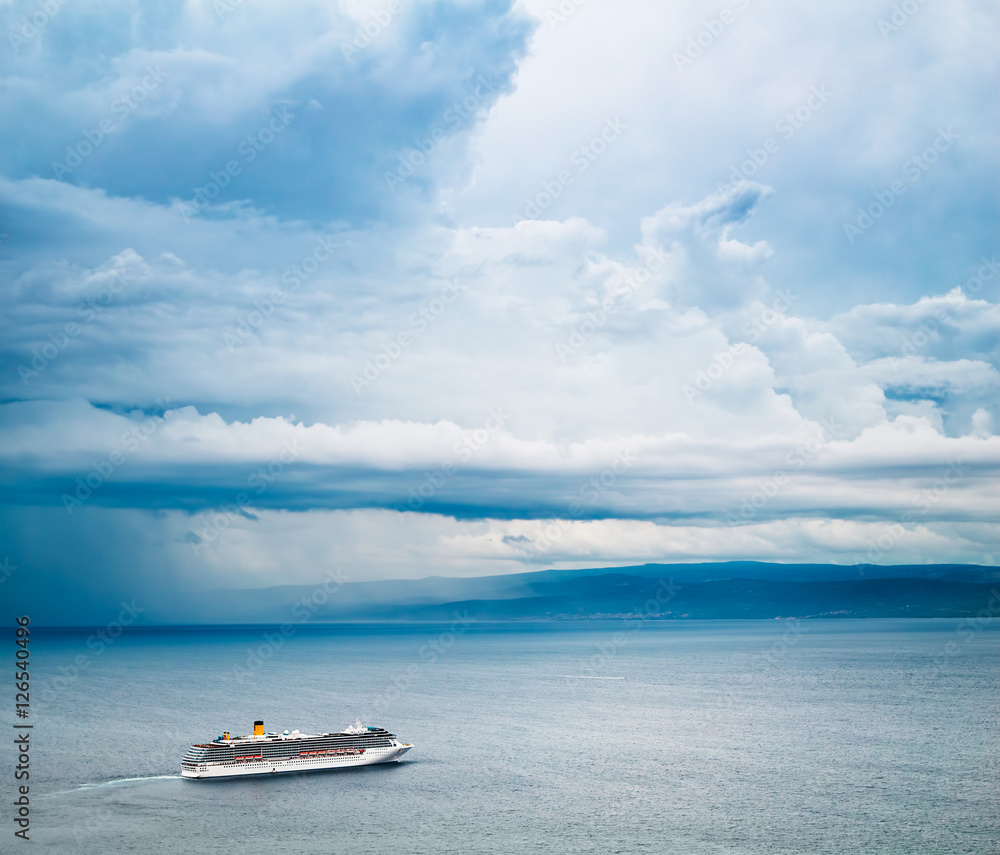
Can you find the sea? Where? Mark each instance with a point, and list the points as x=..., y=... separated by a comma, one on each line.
x=687, y=737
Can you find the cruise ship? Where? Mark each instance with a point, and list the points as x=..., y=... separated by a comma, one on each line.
x=272, y=753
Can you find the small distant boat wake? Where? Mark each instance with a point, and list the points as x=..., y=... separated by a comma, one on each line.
x=586, y=677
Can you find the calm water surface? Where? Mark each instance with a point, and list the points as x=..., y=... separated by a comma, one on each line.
x=701, y=737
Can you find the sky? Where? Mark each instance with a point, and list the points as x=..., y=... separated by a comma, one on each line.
x=404, y=288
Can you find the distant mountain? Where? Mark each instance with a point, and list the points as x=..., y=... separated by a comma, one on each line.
x=619, y=596
x=736, y=589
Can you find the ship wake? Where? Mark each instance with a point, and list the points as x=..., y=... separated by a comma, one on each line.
x=94, y=785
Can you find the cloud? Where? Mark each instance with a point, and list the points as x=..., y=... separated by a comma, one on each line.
x=72, y=454
x=165, y=123
x=688, y=131
x=287, y=266
x=712, y=270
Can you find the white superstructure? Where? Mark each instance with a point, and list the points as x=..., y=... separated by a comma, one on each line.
x=272, y=753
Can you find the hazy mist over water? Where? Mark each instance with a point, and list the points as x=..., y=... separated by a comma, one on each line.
x=695, y=737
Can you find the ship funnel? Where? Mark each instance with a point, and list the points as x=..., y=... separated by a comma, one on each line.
x=225, y=734
x=258, y=728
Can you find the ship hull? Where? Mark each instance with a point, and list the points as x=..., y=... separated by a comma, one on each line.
x=279, y=766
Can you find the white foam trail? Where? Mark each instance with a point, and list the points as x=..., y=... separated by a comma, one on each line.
x=127, y=780
x=112, y=783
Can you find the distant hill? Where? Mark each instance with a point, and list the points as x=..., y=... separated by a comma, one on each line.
x=618, y=596
x=737, y=589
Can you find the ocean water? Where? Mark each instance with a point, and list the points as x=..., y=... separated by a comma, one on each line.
x=771, y=737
